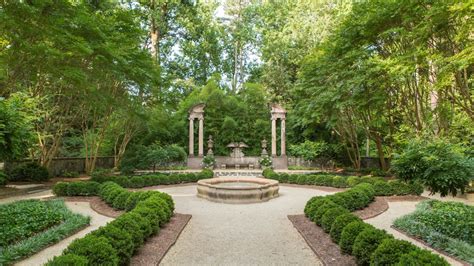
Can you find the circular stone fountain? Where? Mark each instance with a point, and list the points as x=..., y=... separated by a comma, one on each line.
x=237, y=190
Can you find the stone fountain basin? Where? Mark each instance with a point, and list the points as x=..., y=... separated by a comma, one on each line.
x=237, y=189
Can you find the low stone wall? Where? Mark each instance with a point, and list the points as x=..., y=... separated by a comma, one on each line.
x=63, y=164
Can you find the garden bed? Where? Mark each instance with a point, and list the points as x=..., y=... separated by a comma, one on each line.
x=320, y=242
x=157, y=246
x=32, y=225
x=444, y=226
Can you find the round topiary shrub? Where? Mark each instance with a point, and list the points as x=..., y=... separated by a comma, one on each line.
x=339, y=223
x=145, y=225
x=132, y=201
x=60, y=189
x=367, y=188
x=137, y=182
x=330, y=216
x=366, y=243
x=390, y=250
x=301, y=180
x=154, y=216
x=156, y=202
x=421, y=257
x=120, y=240
x=121, y=199
x=339, y=181
x=127, y=223
x=383, y=188
x=69, y=260
x=319, y=212
x=122, y=181
x=97, y=250
x=312, y=204
x=352, y=181
x=349, y=234
x=31, y=171
x=112, y=194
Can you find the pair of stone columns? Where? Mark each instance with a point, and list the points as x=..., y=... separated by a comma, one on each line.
x=196, y=112
x=282, y=137
x=278, y=112
x=200, y=138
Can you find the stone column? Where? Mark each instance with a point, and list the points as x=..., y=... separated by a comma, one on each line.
x=191, y=136
x=201, y=137
x=283, y=138
x=274, y=140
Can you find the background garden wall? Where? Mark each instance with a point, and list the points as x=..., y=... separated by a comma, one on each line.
x=73, y=164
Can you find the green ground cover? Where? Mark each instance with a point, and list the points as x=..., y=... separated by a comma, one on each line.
x=444, y=225
x=29, y=226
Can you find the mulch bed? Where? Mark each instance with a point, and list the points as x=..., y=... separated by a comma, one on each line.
x=376, y=207
x=97, y=205
x=320, y=242
x=156, y=247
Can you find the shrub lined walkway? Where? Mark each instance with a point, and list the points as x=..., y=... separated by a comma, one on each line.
x=398, y=209
x=83, y=208
x=243, y=234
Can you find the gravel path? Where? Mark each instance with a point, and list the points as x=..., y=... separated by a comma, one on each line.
x=46, y=254
x=395, y=210
x=241, y=234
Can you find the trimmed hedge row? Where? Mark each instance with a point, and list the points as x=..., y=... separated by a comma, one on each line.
x=116, y=242
x=369, y=245
x=381, y=186
x=91, y=188
x=147, y=180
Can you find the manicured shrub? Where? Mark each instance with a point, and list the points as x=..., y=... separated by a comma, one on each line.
x=68, y=260
x=366, y=243
x=127, y=223
x=82, y=188
x=121, y=199
x=155, y=216
x=302, y=179
x=390, y=250
x=321, y=210
x=350, y=233
x=353, y=181
x=101, y=175
x=339, y=223
x=421, y=257
x=367, y=188
x=122, y=181
x=383, y=188
x=60, y=189
x=137, y=182
x=157, y=202
x=144, y=224
x=206, y=173
x=97, y=250
x=326, y=180
x=330, y=216
x=31, y=171
x=312, y=205
x=370, y=179
x=339, y=181
x=120, y=240
x=268, y=172
x=132, y=201
x=358, y=199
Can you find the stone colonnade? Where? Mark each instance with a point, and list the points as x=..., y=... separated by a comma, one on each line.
x=196, y=112
x=278, y=112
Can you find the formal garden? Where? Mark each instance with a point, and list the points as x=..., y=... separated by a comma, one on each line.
x=236, y=132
